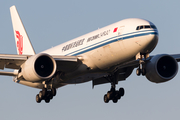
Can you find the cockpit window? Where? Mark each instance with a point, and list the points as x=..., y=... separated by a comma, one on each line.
x=137, y=28
x=145, y=27
x=153, y=26
x=141, y=27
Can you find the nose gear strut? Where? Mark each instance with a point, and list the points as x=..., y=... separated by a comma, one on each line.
x=141, y=69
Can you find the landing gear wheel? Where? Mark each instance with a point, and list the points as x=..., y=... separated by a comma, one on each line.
x=41, y=95
x=38, y=100
x=143, y=71
x=106, y=100
x=115, y=100
x=118, y=96
x=109, y=95
x=49, y=95
x=47, y=100
x=121, y=91
x=46, y=94
x=114, y=95
x=44, y=91
x=53, y=91
x=138, y=72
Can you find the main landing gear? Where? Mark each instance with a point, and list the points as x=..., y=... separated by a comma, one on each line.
x=46, y=94
x=113, y=95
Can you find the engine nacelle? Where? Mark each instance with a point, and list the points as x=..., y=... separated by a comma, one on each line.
x=38, y=68
x=161, y=68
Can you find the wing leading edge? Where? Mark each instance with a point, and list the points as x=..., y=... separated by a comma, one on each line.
x=130, y=65
x=64, y=63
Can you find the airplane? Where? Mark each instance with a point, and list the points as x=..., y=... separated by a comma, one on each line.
x=106, y=55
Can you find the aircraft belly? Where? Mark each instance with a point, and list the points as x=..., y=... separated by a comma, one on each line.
x=84, y=78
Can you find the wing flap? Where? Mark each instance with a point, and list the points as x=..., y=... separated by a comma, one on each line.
x=65, y=58
x=2, y=63
x=12, y=61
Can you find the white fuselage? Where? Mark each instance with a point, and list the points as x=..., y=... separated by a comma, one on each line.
x=108, y=46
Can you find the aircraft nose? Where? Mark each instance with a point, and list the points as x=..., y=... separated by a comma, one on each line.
x=156, y=36
x=153, y=40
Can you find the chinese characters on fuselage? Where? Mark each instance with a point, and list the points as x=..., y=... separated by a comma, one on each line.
x=80, y=42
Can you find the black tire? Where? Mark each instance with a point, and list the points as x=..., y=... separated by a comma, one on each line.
x=51, y=96
x=118, y=95
x=106, y=100
x=53, y=91
x=109, y=95
x=143, y=71
x=44, y=92
x=41, y=95
x=138, y=72
x=115, y=100
x=47, y=100
x=38, y=100
x=121, y=91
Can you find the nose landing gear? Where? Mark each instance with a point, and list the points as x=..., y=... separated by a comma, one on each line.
x=141, y=69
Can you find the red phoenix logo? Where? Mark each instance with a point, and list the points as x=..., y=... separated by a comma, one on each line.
x=115, y=29
x=19, y=42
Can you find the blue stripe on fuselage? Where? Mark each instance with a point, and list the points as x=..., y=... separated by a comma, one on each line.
x=114, y=39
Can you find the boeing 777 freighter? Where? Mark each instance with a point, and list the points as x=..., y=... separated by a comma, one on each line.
x=107, y=55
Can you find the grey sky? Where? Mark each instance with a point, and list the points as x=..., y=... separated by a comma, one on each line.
x=50, y=23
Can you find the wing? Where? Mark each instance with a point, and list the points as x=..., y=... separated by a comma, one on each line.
x=12, y=61
x=125, y=69
x=176, y=56
x=67, y=63
x=64, y=63
x=121, y=72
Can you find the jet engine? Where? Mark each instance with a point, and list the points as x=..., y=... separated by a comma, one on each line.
x=38, y=68
x=161, y=68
